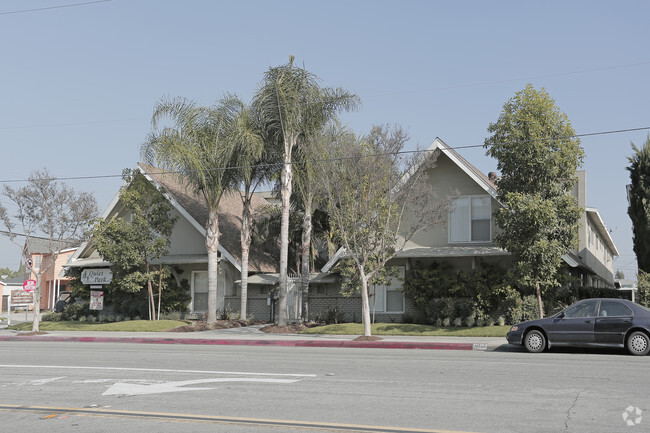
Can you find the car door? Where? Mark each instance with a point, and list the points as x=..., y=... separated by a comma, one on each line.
x=613, y=321
x=575, y=325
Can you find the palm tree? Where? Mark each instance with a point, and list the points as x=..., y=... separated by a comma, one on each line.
x=291, y=105
x=245, y=136
x=195, y=145
x=313, y=151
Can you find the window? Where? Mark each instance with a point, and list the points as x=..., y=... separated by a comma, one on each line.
x=38, y=262
x=613, y=308
x=470, y=219
x=388, y=299
x=583, y=309
x=200, y=291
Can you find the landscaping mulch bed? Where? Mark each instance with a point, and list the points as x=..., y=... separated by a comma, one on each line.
x=370, y=338
x=292, y=328
x=220, y=324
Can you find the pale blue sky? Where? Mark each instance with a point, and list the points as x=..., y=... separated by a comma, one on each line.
x=78, y=83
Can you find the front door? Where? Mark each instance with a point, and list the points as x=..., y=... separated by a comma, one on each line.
x=576, y=325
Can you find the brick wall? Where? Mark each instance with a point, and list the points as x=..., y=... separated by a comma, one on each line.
x=322, y=297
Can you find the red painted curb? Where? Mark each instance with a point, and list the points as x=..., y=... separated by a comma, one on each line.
x=229, y=342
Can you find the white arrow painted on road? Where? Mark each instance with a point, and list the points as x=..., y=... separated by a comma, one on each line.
x=44, y=381
x=125, y=388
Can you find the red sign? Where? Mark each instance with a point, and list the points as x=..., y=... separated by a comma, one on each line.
x=29, y=285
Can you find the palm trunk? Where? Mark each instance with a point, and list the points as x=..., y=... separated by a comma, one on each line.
x=365, y=305
x=539, y=300
x=212, y=245
x=284, y=234
x=245, y=248
x=306, y=262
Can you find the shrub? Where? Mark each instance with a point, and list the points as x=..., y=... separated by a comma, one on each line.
x=76, y=311
x=438, y=322
x=471, y=320
x=501, y=321
x=330, y=316
x=446, y=322
x=52, y=317
x=458, y=322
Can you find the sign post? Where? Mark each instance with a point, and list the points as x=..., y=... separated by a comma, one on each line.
x=96, y=278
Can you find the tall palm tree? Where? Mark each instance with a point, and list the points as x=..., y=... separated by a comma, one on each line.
x=291, y=105
x=194, y=144
x=245, y=137
x=313, y=151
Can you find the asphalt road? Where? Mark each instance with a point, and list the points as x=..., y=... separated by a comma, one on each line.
x=92, y=387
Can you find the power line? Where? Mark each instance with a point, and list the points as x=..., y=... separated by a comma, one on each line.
x=54, y=7
x=404, y=152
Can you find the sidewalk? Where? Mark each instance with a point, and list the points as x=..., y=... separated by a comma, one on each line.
x=252, y=336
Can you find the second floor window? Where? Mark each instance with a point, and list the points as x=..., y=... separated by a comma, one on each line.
x=470, y=219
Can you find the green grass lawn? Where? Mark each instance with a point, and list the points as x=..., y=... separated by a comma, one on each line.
x=409, y=329
x=125, y=326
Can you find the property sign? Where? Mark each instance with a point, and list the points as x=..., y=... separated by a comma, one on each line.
x=96, y=276
x=21, y=297
x=96, y=300
x=29, y=285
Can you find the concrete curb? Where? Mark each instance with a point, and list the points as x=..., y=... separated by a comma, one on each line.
x=253, y=342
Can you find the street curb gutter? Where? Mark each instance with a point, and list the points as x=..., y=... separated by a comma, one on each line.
x=242, y=342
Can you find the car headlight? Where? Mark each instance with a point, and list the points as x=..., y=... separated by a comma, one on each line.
x=514, y=328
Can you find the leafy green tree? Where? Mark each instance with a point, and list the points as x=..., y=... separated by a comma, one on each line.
x=619, y=275
x=196, y=145
x=137, y=236
x=644, y=289
x=537, y=154
x=51, y=210
x=639, y=203
x=376, y=207
x=291, y=104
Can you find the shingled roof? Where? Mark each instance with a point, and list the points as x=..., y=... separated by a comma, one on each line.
x=230, y=211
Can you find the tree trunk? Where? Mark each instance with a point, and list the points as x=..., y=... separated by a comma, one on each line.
x=159, y=289
x=37, y=304
x=152, y=303
x=245, y=248
x=365, y=305
x=285, y=180
x=212, y=245
x=539, y=300
x=306, y=262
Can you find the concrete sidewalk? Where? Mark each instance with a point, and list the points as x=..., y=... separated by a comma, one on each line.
x=252, y=336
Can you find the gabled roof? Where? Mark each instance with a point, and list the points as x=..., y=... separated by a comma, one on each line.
x=38, y=245
x=474, y=173
x=194, y=209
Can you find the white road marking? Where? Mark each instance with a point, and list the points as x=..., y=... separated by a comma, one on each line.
x=125, y=388
x=44, y=381
x=156, y=370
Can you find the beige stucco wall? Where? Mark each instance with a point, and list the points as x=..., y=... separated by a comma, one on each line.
x=449, y=181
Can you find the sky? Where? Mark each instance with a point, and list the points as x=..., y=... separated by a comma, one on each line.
x=78, y=82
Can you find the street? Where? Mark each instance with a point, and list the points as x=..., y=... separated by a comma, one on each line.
x=92, y=387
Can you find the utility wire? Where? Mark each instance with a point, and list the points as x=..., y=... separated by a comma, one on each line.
x=54, y=7
x=404, y=152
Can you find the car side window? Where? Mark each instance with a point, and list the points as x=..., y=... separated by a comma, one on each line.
x=613, y=308
x=582, y=309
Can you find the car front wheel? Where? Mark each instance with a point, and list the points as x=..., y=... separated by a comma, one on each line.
x=638, y=343
x=535, y=341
